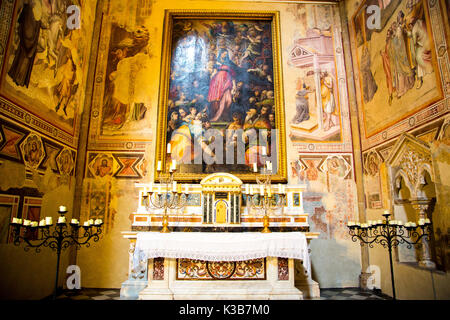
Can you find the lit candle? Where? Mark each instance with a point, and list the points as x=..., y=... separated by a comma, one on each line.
x=174, y=186
x=151, y=187
x=34, y=224
x=159, y=166
x=42, y=223
x=261, y=190
x=269, y=192
x=74, y=221
x=14, y=220
x=386, y=211
x=19, y=221
x=159, y=189
x=174, y=165
x=255, y=167
x=86, y=224
x=91, y=222
x=62, y=220
x=26, y=222
x=179, y=188
x=186, y=189
x=252, y=192
x=247, y=189
x=62, y=209
x=427, y=221
x=169, y=148
x=48, y=221
x=263, y=152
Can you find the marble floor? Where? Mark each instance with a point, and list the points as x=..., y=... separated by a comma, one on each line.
x=325, y=294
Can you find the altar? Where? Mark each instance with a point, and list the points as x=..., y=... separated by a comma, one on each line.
x=216, y=250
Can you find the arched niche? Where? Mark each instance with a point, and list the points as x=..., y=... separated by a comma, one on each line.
x=411, y=180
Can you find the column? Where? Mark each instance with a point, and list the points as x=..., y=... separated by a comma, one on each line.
x=421, y=206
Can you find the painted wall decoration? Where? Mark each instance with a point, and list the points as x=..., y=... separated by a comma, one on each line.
x=330, y=197
x=117, y=165
x=45, y=65
x=372, y=180
x=223, y=77
x=125, y=75
x=36, y=152
x=317, y=111
x=397, y=63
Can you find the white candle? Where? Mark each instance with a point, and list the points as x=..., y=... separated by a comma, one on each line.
x=62, y=220
x=386, y=211
x=19, y=221
x=169, y=148
x=151, y=187
x=174, y=186
x=261, y=190
x=159, y=189
x=174, y=165
x=255, y=167
x=14, y=220
x=91, y=222
x=246, y=189
x=269, y=192
x=26, y=222
x=42, y=223
x=251, y=190
x=86, y=224
x=427, y=221
x=264, y=152
x=62, y=208
x=34, y=224
x=159, y=166
x=48, y=221
x=186, y=189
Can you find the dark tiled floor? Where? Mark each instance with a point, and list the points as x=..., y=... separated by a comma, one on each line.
x=325, y=294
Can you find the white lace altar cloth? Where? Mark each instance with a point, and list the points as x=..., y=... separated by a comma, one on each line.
x=223, y=246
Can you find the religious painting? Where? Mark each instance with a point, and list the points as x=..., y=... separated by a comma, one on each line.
x=220, y=105
x=125, y=106
x=317, y=112
x=32, y=151
x=397, y=62
x=45, y=64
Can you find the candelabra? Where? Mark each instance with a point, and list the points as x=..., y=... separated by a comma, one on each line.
x=390, y=233
x=40, y=235
x=264, y=200
x=170, y=198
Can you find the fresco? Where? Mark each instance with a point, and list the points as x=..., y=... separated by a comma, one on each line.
x=397, y=63
x=317, y=111
x=124, y=102
x=45, y=65
x=221, y=77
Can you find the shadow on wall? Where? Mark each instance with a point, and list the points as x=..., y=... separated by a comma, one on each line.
x=339, y=264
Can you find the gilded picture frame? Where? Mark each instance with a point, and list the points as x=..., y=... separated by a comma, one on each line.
x=182, y=27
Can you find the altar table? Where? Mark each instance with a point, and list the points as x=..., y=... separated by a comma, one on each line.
x=214, y=265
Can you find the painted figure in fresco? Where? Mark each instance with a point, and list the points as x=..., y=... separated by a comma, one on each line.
x=419, y=42
x=386, y=53
x=328, y=103
x=66, y=88
x=33, y=151
x=103, y=169
x=29, y=28
x=404, y=77
x=221, y=87
x=302, y=106
x=369, y=85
